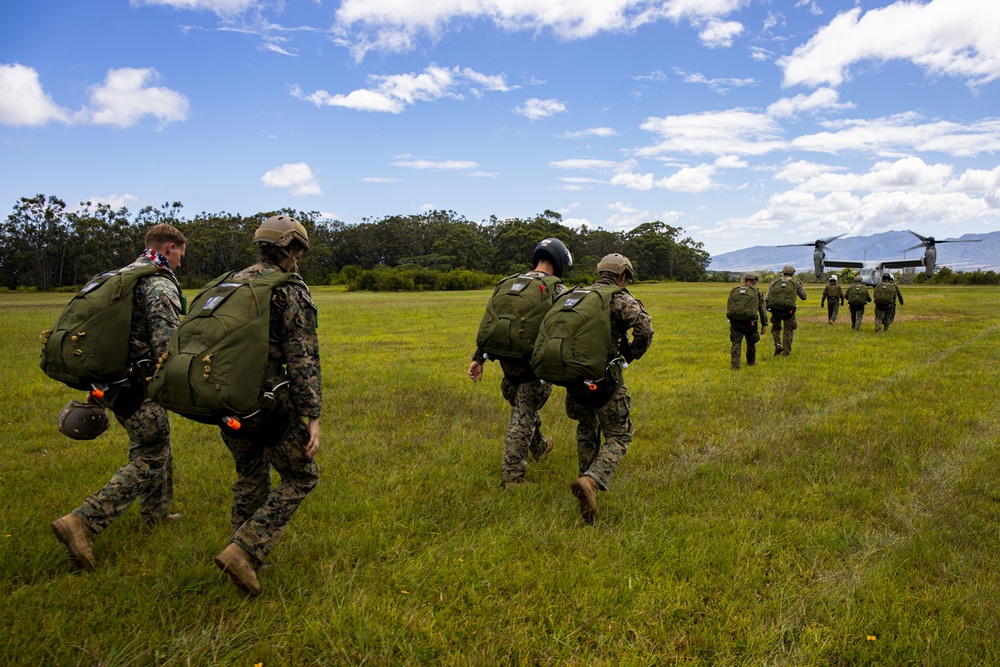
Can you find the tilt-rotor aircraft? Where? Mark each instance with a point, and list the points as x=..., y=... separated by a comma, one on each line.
x=871, y=270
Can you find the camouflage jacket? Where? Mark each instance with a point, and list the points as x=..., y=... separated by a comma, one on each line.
x=156, y=313
x=832, y=291
x=512, y=368
x=627, y=312
x=292, y=340
x=761, y=307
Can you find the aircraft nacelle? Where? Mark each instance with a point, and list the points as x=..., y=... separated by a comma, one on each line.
x=818, y=257
x=930, y=258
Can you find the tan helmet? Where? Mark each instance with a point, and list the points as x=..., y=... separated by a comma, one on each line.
x=281, y=230
x=82, y=421
x=857, y=279
x=617, y=264
x=789, y=270
x=750, y=275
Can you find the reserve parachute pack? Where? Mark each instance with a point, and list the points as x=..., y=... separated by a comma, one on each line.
x=89, y=343
x=884, y=295
x=216, y=365
x=743, y=304
x=857, y=296
x=781, y=296
x=513, y=314
x=575, y=336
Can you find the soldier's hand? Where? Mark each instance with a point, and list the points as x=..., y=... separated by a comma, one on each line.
x=313, y=445
x=475, y=371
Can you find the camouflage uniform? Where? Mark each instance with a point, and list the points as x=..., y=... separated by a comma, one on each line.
x=739, y=330
x=526, y=395
x=597, y=460
x=883, y=318
x=259, y=513
x=148, y=475
x=834, y=298
x=858, y=312
x=783, y=342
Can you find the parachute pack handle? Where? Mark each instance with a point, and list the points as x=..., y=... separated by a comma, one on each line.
x=269, y=401
x=99, y=389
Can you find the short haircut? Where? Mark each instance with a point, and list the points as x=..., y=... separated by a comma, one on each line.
x=162, y=234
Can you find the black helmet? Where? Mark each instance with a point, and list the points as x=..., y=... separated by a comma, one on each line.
x=886, y=276
x=82, y=421
x=556, y=252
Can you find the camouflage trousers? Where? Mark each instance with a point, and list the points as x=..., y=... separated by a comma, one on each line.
x=596, y=459
x=524, y=430
x=737, y=332
x=857, y=314
x=148, y=476
x=260, y=513
x=783, y=339
x=832, y=308
x=883, y=318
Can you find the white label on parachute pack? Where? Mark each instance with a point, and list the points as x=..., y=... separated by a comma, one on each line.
x=517, y=287
x=213, y=302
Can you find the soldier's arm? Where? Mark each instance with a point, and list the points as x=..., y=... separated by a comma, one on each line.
x=633, y=316
x=300, y=346
x=761, y=311
x=899, y=295
x=162, y=307
x=801, y=291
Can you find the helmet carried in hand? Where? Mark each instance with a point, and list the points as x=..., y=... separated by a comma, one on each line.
x=82, y=421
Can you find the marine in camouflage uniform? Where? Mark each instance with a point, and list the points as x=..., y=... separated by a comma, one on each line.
x=883, y=318
x=751, y=331
x=858, y=311
x=260, y=513
x=788, y=323
x=525, y=393
x=833, y=295
x=148, y=475
x=597, y=460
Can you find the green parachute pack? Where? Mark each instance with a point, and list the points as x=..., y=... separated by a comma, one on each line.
x=884, y=295
x=575, y=336
x=857, y=296
x=781, y=295
x=216, y=365
x=89, y=343
x=743, y=304
x=513, y=314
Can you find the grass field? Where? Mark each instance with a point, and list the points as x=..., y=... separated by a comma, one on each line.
x=837, y=507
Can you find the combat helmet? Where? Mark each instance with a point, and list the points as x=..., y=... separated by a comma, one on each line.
x=857, y=279
x=556, y=252
x=886, y=276
x=82, y=421
x=281, y=230
x=789, y=270
x=750, y=275
x=617, y=264
x=833, y=279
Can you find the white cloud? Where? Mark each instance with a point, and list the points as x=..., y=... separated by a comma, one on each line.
x=718, y=84
x=23, y=101
x=393, y=93
x=685, y=179
x=601, y=132
x=802, y=170
x=821, y=98
x=958, y=38
x=584, y=164
x=625, y=216
x=114, y=202
x=395, y=25
x=379, y=179
x=126, y=97
x=410, y=162
x=296, y=176
x=904, y=134
x=534, y=108
x=221, y=7
x=719, y=34
x=715, y=133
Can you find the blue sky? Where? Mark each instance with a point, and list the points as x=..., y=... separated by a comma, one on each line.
x=746, y=122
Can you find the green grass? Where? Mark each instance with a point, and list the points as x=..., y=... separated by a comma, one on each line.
x=782, y=515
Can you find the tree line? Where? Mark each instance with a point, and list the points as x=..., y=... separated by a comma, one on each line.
x=45, y=246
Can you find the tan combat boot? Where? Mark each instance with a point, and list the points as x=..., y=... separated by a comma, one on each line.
x=235, y=562
x=78, y=538
x=585, y=489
